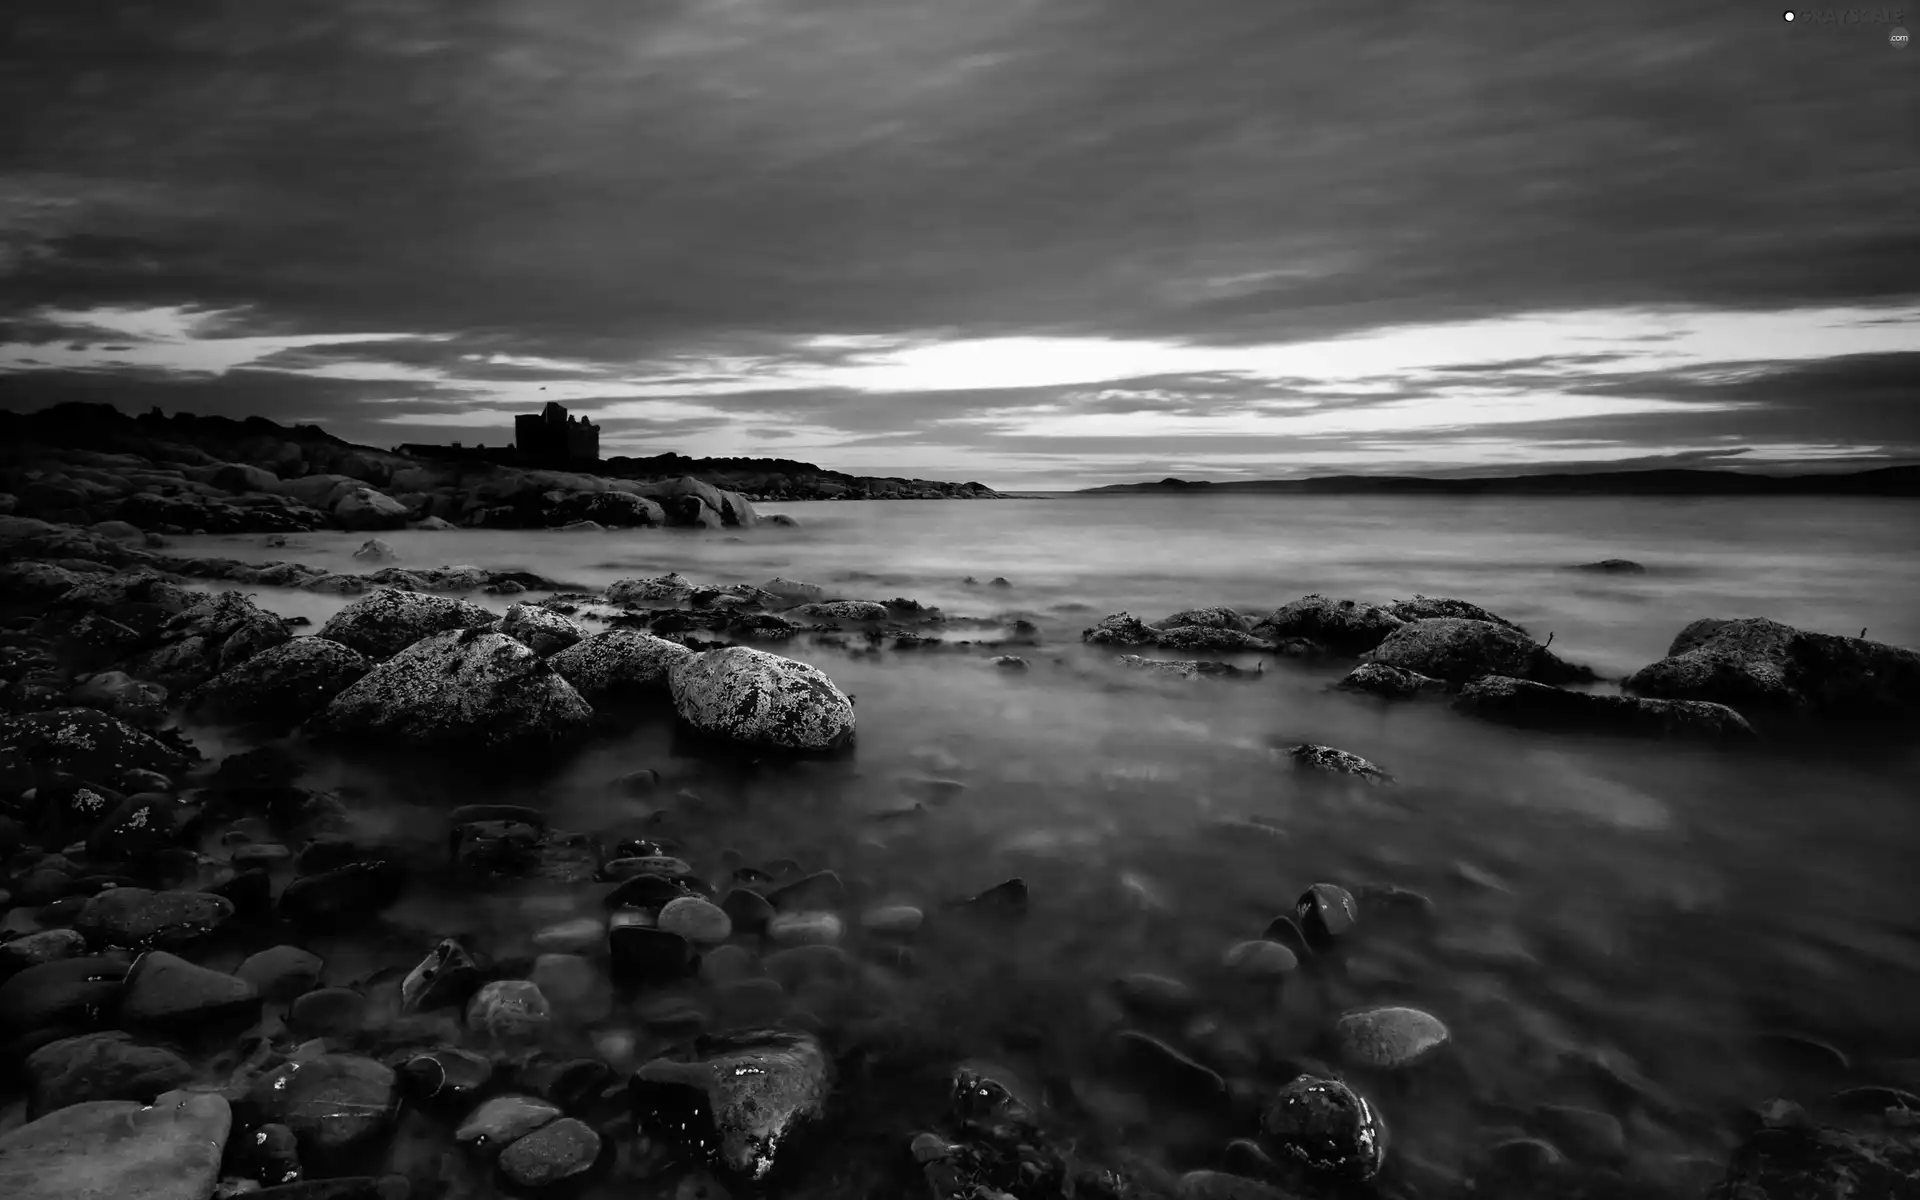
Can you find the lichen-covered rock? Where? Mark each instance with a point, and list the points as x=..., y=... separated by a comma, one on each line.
x=1184, y=668
x=1388, y=1038
x=840, y=610
x=1458, y=650
x=1120, y=629
x=1758, y=665
x=332, y=1102
x=1349, y=626
x=1337, y=762
x=762, y=700
x=541, y=630
x=1208, y=637
x=383, y=623
x=1528, y=705
x=282, y=686
x=759, y=1088
x=1801, y=1161
x=136, y=701
x=462, y=688
x=365, y=508
x=1421, y=607
x=85, y=743
x=671, y=588
x=137, y=918
x=1327, y=1128
x=35, y=581
x=619, y=664
x=102, y=593
x=1207, y=618
x=1390, y=682
x=217, y=632
x=793, y=591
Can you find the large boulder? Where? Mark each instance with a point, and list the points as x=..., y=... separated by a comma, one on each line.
x=84, y=743
x=1217, y=617
x=102, y=1066
x=1457, y=650
x=670, y=588
x=758, y=1089
x=464, y=687
x=762, y=700
x=284, y=685
x=35, y=581
x=1421, y=607
x=383, y=623
x=1120, y=629
x=364, y=508
x=1529, y=705
x=220, y=631
x=620, y=664
x=320, y=490
x=1763, y=666
x=119, y=1150
x=1349, y=626
x=620, y=510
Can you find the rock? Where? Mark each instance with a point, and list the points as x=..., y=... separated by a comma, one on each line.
x=448, y=1077
x=383, y=623
x=1325, y=912
x=1459, y=650
x=805, y=929
x=364, y=508
x=1389, y=682
x=83, y=743
x=1218, y=1185
x=218, y=632
x=1120, y=629
x=1588, y=1134
x=354, y=894
x=761, y=700
x=620, y=664
x=282, y=686
x=334, y=1103
x=1337, y=762
x=1009, y=662
x=164, y=992
x=671, y=588
x=893, y=920
x=1530, y=705
x=122, y=1149
x=541, y=630
x=749, y=910
x=1325, y=1127
x=374, y=550
x=699, y=921
x=554, y=1154
x=1260, y=960
x=1421, y=607
x=841, y=610
x=577, y=989
x=1613, y=566
x=72, y=993
x=49, y=945
x=433, y=524
x=1819, y=1163
x=468, y=689
x=1763, y=667
x=794, y=592
x=133, y=700
x=280, y=973
x=136, y=918
x=1348, y=626
x=1202, y=637
x=269, y=1156
x=821, y=890
x=139, y=828
x=509, y=1011
x=759, y=1090
x=1206, y=618
x=102, y=1066
x=504, y=1120
x=1388, y=1038
x=333, y=1012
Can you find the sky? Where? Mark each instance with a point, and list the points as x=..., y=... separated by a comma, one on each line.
x=1033, y=243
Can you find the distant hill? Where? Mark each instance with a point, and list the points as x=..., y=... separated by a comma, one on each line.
x=1883, y=481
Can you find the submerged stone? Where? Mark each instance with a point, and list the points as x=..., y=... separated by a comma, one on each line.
x=1325, y=1127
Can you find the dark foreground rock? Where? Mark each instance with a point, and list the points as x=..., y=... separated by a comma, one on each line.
x=1348, y=626
x=1325, y=1129
x=383, y=623
x=1528, y=705
x=462, y=688
x=1761, y=666
x=763, y=700
x=119, y=1149
x=1800, y=1161
x=742, y=1101
x=1457, y=650
x=85, y=743
x=1392, y=683
x=619, y=664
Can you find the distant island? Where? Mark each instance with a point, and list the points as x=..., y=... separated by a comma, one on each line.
x=1881, y=481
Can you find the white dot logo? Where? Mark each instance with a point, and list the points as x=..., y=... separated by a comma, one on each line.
x=1789, y=16
x=1898, y=38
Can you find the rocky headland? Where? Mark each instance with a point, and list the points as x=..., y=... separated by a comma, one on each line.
x=93, y=466
x=169, y=1036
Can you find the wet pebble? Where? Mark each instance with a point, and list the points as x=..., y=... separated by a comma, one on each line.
x=892, y=920
x=1284, y=930
x=445, y=978
x=1388, y=1038
x=102, y=1066
x=1327, y=1128
x=332, y=1102
x=509, y=1010
x=554, y=1154
x=268, y=1156
x=447, y=1076
x=503, y=1120
x=1325, y=912
x=328, y=1012
x=749, y=911
x=657, y=866
x=137, y=917
x=723, y=964
x=573, y=986
x=805, y=929
x=820, y=890
x=699, y=921
x=643, y=953
x=577, y=936
x=163, y=991
x=1156, y=995
x=1260, y=960
x=51, y=945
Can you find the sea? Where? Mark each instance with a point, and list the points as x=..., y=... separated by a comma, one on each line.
x=1633, y=943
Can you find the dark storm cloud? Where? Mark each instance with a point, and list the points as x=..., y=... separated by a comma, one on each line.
x=337, y=404
x=571, y=176
x=1862, y=397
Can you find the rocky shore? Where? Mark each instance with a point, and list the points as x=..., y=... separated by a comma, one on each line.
x=93, y=466
x=687, y=1022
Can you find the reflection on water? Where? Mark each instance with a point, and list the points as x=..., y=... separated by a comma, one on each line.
x=1617, y=922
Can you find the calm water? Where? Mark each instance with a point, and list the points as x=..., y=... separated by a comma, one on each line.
x=1660, y=906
